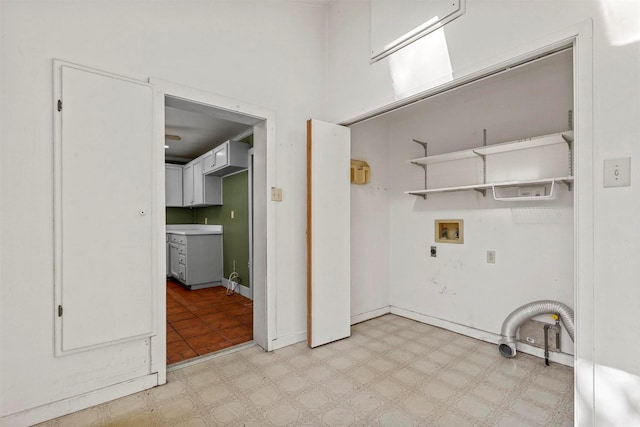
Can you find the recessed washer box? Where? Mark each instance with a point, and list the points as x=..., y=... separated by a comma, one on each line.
x=449, y=231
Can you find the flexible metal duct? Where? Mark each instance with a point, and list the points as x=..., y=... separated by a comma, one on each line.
x=507, y=344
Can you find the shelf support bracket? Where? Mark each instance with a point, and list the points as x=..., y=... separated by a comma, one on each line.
x=424, y=167
x=569, y=140
x=482, y=190
x=569, y=184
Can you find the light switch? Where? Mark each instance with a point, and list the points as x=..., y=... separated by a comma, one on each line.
x=617, y=172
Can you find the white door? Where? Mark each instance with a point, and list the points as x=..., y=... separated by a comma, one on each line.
x=328, y=233
x=103, y=208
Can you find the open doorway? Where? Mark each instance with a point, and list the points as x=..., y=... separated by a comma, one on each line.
x=209, y=295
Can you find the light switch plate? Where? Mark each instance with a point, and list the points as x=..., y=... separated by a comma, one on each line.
x=617, y=172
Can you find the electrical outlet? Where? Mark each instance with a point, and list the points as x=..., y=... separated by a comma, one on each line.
x=491, y=257
x=276, y=194
x=233, y=215
x=617, y=172
x=206, y=220
x=434, y=252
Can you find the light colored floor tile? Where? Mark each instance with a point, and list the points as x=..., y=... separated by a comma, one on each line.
x=391, y=372
x=313, y=399
x=340, y=385
x=395, y=419
x=282, y=415
x=178, y=408
x=474, y=408
x=213, y=394
x=339, y=416
x=293, y=383
x=228, y=412
x=542, y=396
x=418, y=405
x=452, y=419
x=365, y=402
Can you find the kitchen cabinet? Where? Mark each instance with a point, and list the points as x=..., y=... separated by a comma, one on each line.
x=227, y=158
x=200, y=189
x=196, y=259
x=187, y=185
x=173, y=185
x=208, y=163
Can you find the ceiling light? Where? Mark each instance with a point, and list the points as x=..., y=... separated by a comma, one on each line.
x=166, y=146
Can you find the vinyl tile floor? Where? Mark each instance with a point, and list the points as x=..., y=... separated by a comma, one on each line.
x=205, y=320
x=391, y=372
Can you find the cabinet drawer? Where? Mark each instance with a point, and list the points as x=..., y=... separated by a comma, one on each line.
x=177, y=238
x=182, y=273
x=182, y=260
x=182, y=250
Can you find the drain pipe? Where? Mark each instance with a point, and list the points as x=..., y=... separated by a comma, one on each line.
x=507, y=344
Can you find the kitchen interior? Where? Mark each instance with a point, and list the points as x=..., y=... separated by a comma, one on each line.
x=208, y=220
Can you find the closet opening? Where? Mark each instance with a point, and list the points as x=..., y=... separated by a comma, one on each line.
x=494, y=152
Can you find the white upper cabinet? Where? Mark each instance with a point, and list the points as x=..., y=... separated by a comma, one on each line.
x=173, y=185
x=199, y=189
x=208, y=162
x=187, y=185
x=228, y=157
x=198, y=185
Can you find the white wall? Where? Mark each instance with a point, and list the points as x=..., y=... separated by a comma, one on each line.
x=370, y=223
x=264, y=53
x=485, y=35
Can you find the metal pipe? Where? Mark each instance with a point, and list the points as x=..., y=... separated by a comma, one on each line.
x=546, y=344
x=507, y=344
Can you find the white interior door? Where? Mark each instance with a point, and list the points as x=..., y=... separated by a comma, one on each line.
x=103, y=209
x=328, y=233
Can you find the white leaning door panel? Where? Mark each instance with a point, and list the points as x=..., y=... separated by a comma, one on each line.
x=103, y=208
x=328, y=233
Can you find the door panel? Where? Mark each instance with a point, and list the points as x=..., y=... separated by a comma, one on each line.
x=328, y=233
x=104, y=187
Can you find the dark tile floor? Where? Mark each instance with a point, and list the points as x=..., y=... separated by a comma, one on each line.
x=206, y=320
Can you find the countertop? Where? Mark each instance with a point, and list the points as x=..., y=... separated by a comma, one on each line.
x=193, y=229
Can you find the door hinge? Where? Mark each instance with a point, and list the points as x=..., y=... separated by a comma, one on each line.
x=59, y=105
x=59, y=311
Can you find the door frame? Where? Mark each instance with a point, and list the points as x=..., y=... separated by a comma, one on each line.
x=250, y=184
x=580, y=38
x=264, y=264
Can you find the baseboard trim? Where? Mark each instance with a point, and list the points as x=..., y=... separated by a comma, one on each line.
x=490, y=337
x=363, y=317
x=73, y=404
x=240, y=289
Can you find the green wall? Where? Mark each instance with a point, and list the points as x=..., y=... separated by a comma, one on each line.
x=235, y=197
x=180, y=216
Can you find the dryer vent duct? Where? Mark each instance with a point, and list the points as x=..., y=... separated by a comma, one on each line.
x=507, y=344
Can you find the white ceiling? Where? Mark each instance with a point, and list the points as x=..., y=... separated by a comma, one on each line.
x=200, y=127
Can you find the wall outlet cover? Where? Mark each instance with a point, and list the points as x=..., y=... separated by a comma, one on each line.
x=276, y=194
